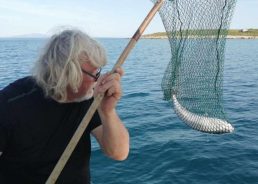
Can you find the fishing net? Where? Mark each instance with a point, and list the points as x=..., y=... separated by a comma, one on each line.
x=193, y=79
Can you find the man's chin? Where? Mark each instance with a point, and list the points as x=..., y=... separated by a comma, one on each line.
x=85, y=97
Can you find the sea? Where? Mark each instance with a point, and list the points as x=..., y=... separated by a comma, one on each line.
x=164, y=150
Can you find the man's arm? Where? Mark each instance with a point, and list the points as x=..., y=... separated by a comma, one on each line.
x=112, y=135
x=113, y=139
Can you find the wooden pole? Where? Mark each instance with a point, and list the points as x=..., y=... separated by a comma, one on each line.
x=85, y=121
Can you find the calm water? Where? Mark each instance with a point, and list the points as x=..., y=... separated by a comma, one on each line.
x=163, y=149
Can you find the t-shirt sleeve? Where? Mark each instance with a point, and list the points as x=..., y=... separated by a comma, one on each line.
x=95, y=122
x=3, y=123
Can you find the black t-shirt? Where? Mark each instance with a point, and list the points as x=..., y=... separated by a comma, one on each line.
x=34, y=132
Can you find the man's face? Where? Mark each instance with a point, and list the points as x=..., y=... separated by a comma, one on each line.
x=86, y=90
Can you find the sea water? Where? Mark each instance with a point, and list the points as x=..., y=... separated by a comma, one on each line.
x=163, y=150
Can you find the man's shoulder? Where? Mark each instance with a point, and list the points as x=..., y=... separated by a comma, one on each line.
x=17, y=88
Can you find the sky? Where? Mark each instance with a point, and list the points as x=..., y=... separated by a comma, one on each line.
x=99, y=18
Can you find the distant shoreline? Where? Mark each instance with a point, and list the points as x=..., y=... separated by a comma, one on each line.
x=231, y=34
x=227, y=37
x=142, y=37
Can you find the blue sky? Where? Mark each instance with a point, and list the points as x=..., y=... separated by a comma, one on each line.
x=99, y=18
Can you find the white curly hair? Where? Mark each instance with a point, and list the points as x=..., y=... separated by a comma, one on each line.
x=59, y=65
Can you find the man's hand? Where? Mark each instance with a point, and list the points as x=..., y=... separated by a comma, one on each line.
x=109, y=85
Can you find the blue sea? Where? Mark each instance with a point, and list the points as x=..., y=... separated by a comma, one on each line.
x=163, y=149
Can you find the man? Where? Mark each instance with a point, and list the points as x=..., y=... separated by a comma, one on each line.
x=40, y=113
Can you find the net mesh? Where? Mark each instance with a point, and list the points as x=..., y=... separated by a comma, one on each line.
x=193, y=79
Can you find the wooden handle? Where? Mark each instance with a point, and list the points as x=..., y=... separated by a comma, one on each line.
x=85, y=121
